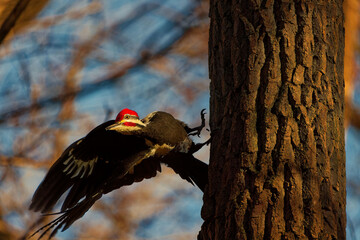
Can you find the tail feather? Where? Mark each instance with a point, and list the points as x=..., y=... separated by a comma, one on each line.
x=198, y=172
x=189, y=168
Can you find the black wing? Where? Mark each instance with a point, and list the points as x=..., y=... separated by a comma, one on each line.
x=85, y=166
x=145, y=169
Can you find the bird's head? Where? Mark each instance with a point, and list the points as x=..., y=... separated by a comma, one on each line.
x=127, y=117
x=127, y=121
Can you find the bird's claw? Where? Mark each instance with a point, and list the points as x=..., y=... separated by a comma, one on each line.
x=197, y=130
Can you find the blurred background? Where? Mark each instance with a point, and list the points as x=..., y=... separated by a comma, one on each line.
x=67, y=66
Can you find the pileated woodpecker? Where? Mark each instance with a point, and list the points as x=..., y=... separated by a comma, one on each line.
x=114, y=154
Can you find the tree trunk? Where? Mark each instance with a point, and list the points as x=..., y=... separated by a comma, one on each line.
x=277, y=165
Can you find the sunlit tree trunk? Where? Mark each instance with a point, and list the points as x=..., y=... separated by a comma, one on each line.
x=277, y=165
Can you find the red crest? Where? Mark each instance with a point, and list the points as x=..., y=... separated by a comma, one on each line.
x=123, y=112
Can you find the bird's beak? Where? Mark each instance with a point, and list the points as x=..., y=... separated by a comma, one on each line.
x=120, y=126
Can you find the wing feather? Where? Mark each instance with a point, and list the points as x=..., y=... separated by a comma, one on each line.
x=85, y=166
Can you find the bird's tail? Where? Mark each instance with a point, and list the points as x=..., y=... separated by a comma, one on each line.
x=189, y=168
x=198, y=172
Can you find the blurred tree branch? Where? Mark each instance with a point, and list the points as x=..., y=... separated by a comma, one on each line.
x=116, y=71
x=351, y=68
x=16, y=13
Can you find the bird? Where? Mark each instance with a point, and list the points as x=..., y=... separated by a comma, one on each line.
x=114, y=154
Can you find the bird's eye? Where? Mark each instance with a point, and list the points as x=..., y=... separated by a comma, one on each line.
x=127, y=117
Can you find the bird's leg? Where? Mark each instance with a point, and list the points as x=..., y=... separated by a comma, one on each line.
x=197, y=130
x=196, y=147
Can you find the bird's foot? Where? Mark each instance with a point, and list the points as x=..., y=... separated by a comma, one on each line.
x=197, y=130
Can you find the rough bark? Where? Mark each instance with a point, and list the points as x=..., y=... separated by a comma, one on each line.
x=277, y=165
